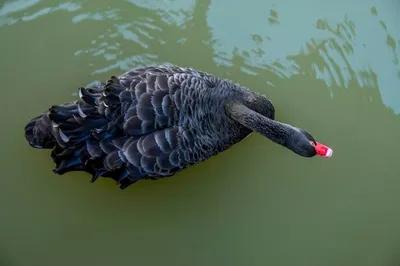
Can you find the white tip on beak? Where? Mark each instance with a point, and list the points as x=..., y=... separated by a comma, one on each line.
x=328, y=153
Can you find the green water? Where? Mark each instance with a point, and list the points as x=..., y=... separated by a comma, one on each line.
x=331, y=67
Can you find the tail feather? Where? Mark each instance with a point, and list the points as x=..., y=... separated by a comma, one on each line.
x=38, y=132
x=85, y=135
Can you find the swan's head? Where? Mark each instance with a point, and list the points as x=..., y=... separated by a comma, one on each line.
x=302, y=143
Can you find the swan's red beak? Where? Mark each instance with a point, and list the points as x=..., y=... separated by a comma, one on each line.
x=323, y=150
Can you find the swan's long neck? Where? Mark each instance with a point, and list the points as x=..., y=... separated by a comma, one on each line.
x=276, y=131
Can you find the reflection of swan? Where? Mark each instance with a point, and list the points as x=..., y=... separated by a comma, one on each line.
x=152, y=122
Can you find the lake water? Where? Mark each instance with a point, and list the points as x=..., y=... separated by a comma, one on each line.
x=331, y=67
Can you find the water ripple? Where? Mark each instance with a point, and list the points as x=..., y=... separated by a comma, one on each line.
x=19, y=6
x=109, y=14
x=172, y=12
x=127, y=63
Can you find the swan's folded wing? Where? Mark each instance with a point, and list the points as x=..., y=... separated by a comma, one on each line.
x=161, y=153
x=142, y=102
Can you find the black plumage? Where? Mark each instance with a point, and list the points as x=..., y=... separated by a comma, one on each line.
x=148, y=123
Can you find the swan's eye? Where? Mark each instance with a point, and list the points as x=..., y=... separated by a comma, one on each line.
x=312, y=143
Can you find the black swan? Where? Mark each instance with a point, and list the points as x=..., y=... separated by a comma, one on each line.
x=152, y=122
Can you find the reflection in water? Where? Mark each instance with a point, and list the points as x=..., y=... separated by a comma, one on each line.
x=390, y=40
x=339, y=56
x=10, y=8
x=273, y=17
x=109, y=15
x=170, y=11
x=16, y=6
x=332, y=64
x=136, y=38
x=345, y=52
x=374, y=11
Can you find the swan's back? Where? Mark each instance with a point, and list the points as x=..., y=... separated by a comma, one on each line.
x=148, y=123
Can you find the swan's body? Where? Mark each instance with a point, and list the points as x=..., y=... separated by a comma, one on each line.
x=152, y=122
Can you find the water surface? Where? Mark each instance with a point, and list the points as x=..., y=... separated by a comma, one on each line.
x=331, y=67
